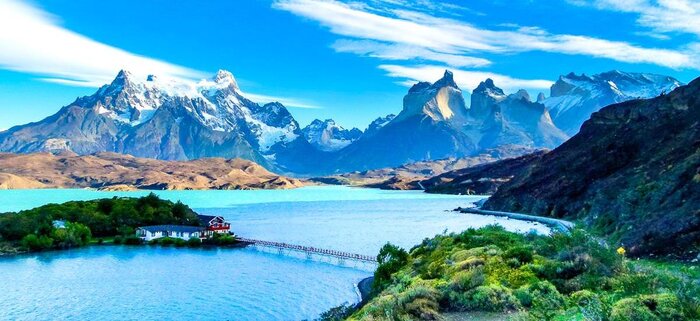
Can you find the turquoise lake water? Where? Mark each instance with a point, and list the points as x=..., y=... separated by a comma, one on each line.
x=136, y=283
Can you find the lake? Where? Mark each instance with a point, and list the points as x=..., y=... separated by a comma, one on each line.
x=150, y=282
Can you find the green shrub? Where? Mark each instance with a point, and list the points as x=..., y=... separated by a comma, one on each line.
x=194, y=242
x=32, y=242
x=547, y=302
x=166, y=241
x=72, y=235
x=180, y=242
x=338, y=313
x=132, y=240
x=631, y=310
x=470, y=263
x=522, y=254
x=117, y=240
x=493, y=298
x=467, y=280
x=590, y=305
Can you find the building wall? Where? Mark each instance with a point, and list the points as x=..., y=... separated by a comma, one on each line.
x=156, y=235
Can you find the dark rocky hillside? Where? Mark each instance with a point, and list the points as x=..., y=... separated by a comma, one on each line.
x=481, y=179
x=632, y=172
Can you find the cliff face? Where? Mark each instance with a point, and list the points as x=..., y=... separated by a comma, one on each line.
x=632, y=172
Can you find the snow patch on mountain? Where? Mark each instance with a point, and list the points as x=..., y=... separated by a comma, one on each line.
x=328, y=136
x=575, y=97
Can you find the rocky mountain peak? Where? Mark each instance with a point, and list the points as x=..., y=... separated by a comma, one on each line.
x=327, y=136
x=575, y=97
x=541, y=97
x=446, y=80
x=522, y=94
x=484, y=98
x=225, y=77
x=378, y=123
x=440, y=101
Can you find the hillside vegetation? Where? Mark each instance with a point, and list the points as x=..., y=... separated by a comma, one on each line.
x=527, y=277
x=33, y=230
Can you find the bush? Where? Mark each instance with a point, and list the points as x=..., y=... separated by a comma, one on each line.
x=32, y=242
x=547, y=302
x=132, y=240
x=631, y=310
x=492, y=298
x=194, y=242
x=590, y=305
x=338, y=313
x=166, y=241
x=467, y=280
x=521, y=253
x=117, y=240
x=658, y=307
x=180, y=242
x=470, y=263
x=73, y=235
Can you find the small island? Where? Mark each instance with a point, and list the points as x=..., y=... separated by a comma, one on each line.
x=117, y=220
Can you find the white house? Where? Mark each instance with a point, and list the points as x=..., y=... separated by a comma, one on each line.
x=148, y=233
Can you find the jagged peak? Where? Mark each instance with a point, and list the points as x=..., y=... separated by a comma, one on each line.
x=225, y=77
x=419, y=86
x=541, y=97
x=124, y=74
x=489, y=87
x=522, y=94
x=123, y=77
x=446, y=80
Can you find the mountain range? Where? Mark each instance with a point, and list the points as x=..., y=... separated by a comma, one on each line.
x=632, y=173
x=173, y=119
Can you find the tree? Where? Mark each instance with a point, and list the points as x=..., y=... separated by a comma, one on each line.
x=391, y=259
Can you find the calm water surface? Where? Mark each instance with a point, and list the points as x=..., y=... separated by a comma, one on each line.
x=130, y=283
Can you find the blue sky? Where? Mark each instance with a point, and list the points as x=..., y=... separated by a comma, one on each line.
x=351, y=61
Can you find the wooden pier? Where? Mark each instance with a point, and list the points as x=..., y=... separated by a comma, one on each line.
x=309, y=250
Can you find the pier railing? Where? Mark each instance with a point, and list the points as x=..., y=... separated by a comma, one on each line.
x=312, y=250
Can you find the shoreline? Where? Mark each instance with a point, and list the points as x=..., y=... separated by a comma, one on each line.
x=561, y=225
x=364, y=288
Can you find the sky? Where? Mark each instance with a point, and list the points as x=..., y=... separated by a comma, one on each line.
x=352, y=61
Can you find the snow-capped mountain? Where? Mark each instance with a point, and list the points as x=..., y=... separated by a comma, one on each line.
x=166, y=119
x=435, y=123
x=177, y=120
x=326, y=135
x=378, y=123
x=574, y=98
x=514, y=119
x=440, y=101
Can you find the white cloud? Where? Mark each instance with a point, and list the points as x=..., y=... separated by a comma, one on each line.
x=466, y=79
x=660, y=15
x=32, y=42
x=442, y=39
x=405, y=52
